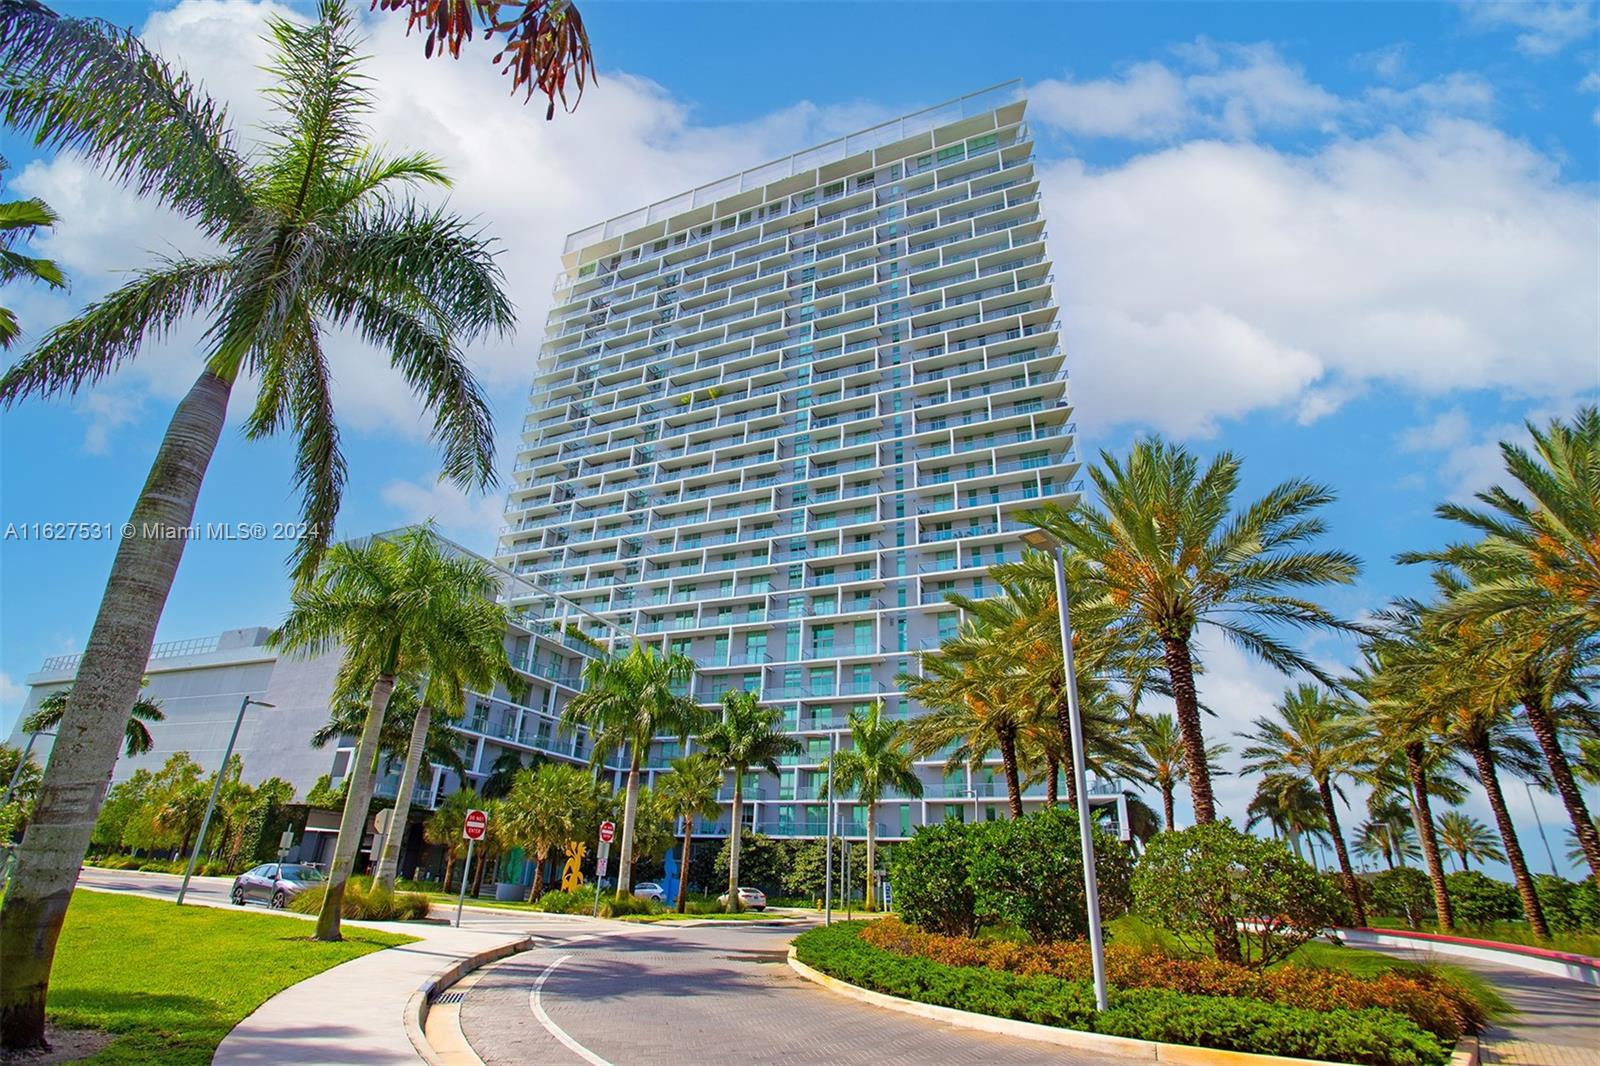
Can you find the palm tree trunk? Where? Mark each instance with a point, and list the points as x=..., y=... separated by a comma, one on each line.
x=1052, y=793
x=1166, y=805
x=1064, y=724
x=872, y=854
x=683, y=867
x=733, y=838
x=1427, y=835
x=477, y=874
x=1008, y=761
x=1292, y=831
x=353, y=822
x=388, y=862
x=538, y=877
x=630, y=811
x=449, y=868
x=1508, y=837
x=1464, y=865
x=1543, y=725
x=91, y=729
x=1352, y=889
x=1180, y=671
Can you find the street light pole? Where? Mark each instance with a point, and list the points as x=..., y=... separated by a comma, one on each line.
x=1540, y=823
x=216, y=787
x=827, y=888
x=1091, y=888
x=22, y=761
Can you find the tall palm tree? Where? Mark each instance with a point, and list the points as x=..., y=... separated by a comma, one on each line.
x=348, y=714
x=1289, y=804
x=1535, y=575
x=1171, y=552
x=1468, y=839
x=445, y=825
x=389, y=603
x=1457, y=669
x=136, y=739
x=313, y=235
x=1317, y=738
x=503, y=774
x=1164, y=757
x=627, y=701
x=976, y=704
x=689, y=791
x=19, y=220
x=747, y=737
x=877, y=762
x=1406, y=752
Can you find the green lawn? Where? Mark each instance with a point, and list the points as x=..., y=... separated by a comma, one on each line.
x=172, y=981
x=1511, y=933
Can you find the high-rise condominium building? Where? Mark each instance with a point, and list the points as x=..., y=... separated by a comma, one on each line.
x=778, y=418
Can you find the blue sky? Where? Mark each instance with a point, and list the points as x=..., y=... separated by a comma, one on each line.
x=1351, y=242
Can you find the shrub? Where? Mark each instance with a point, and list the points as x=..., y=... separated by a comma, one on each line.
x=1478, y=899
x=1029, y=872
x=1249, y=899
x=363, y=901
x=1403, y=893
x=1430, y=1000
x=1569, y=906
x=582, y=902
x=1371, y=1036
x=931, y=879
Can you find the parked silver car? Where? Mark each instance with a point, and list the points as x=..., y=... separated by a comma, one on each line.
x=752, y=899
x=650, y=890
x=275, y=884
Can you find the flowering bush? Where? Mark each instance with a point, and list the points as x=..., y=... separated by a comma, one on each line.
x=1433, y=1002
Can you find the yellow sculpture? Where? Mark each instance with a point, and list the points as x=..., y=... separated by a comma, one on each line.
x=572, y=872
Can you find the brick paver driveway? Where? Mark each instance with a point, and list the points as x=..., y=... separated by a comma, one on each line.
x=704, y=994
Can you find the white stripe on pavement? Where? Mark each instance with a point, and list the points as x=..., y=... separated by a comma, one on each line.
x=550, y=1026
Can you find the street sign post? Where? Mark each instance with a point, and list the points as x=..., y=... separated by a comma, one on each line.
x=608, y=833
x=285, y=842
x=473, y=827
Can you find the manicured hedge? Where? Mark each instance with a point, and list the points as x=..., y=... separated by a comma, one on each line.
x=1433, y=1002
x=204, y=868
x=1372, y=1036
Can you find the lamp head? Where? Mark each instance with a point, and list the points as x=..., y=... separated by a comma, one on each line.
x=1039, y=540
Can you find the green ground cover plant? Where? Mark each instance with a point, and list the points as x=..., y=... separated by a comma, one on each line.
x=361, y=900
x=1372, y=1036
x=170, y=982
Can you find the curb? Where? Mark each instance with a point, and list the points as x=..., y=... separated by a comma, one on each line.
x=1120, y=1047
x=1579, y=968
x=421, y=1001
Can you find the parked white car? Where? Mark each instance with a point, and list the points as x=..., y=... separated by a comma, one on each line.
x=752, y=899
x=650, y=890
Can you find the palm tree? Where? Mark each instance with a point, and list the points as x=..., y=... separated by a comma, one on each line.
x=349, y=714
x=136, y=739
x=877, y=762
x=1575, y=847
x=689, y=791
x=1387, y=833
x=976, y=704
x=1171, y=553
x=1468, y=839
x=445, y=825
x=748, y=737
x=1535, y=575
x=1290, y=805
x=547, y=807
x=503, y=774
x=1316, y=738
x=19, y=219
x=390, y=603
x=1162, y=752
x=627, y=701
x=313, y=235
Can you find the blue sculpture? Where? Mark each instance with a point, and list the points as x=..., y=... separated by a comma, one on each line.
x=669, y=882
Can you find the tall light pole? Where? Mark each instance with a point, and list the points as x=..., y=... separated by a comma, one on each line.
x=1039, y=540
x=216, y=787
x=827, y=887
x=1540, y=823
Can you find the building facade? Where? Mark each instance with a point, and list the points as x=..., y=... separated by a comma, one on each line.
x=778, y=418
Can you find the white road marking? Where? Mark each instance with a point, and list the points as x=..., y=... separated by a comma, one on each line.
x=550, y=1026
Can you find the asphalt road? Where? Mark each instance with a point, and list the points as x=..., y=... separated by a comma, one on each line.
x=708, y=994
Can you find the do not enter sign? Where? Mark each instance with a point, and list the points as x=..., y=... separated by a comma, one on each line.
x=476, y=824
x=608, y=832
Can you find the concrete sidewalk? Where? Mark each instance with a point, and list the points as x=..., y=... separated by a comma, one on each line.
x=355, y=1012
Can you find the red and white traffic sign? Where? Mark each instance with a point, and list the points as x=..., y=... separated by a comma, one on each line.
x=476, y=824
x=608, y=832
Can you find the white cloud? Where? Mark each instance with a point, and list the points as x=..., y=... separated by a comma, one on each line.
x=1390, y=63
x=1210, y=279
x=474, y=521
x=1542, y=29
x=1238, y=91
